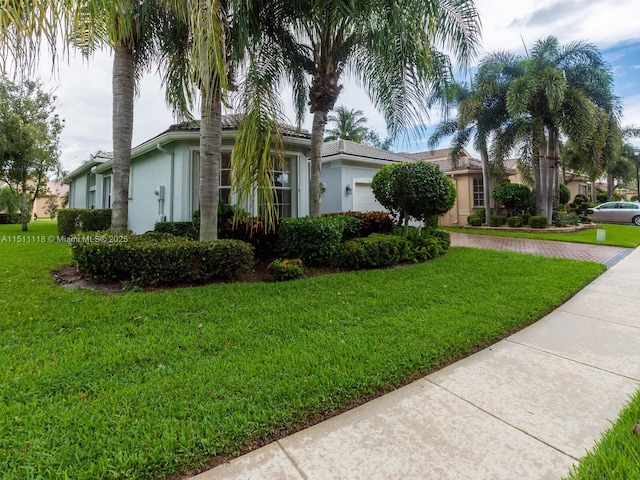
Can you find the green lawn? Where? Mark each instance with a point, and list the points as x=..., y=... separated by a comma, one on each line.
x=617, y=235
x=144, y=385
x=617, y=454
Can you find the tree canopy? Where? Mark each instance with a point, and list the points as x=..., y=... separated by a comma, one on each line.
x=29, y=141
x=413, y=190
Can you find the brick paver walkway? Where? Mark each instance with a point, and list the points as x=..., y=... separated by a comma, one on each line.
x=547, y=248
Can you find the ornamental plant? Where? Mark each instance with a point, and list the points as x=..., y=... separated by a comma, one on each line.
x=413, y=190
x=287, y=269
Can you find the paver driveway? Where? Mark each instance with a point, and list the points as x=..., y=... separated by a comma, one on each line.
x=547, y=248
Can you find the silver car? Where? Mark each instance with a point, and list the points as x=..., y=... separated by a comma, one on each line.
x=617, y=212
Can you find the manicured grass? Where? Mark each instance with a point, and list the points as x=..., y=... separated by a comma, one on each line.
x=617, y=235
x=143, y=385
x=617, y=455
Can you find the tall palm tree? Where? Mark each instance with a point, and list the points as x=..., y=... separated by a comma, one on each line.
x=481, y=111
x=130, y=29
x=392, y=48
x=349, y=124
x=231, y=45
x=562, y=90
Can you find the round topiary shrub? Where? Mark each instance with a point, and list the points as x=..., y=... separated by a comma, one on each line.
x=474, y=221
x=538, y=222
x=514, y=222
x=498, y=220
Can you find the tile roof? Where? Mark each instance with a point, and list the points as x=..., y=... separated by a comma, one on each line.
x=348, y=147
x=232, y=122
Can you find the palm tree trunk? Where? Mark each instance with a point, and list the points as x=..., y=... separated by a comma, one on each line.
x=317, y=139
x=210, y=156
x=486, y=187
x=609, y=186
x=123, y=91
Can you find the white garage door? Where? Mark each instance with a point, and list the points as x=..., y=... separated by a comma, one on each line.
x=364, y=200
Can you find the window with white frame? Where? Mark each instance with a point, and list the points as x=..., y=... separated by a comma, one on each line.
x=478, y=193
x=224, y=188
x=106, y=192
x=282, y=184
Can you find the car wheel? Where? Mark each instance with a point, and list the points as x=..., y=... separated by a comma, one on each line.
x=636, y=220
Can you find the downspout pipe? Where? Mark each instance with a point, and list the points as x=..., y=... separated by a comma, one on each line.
x=171, y=153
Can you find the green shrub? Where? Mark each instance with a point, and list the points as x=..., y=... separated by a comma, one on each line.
x=564, y=194
x=159, y=258
x=564, y=219
x=179, y=229
x=497, y=220
x=525, y=218
x=424, y=244
x=634, y=198
x=443, y=237
x=475, y=221
x=314, y=240
x=538, y=222
x=372, y=222
x=287, y=269
x=9, y=218
x=351, y=226
x=515, y=197
x=374, y=251
x=580, y=207
x=70, y=219
x=514, y=222
x=95, y=220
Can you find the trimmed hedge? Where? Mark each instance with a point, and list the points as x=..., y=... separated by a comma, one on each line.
x=314, y=240
x=9, y=218
x=475, y=221
x=179, y=229
x=538, y=222
x=374, y=251
x=157, y=258
x=70, y=219
x=497, y=220
x=372, y=222
x=514, y=222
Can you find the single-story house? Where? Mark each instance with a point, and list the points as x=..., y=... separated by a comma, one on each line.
x=164, y=177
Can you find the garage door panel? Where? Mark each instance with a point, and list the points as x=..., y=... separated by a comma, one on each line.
x=364, y=200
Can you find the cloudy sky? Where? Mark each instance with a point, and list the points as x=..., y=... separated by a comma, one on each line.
x=83, y=89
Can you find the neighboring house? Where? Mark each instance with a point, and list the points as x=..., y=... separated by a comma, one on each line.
x=56, y=191
x=347, y=170
x=164, y=179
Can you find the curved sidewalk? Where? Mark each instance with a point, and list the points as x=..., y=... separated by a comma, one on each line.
x=547, y=248
x=528, y=407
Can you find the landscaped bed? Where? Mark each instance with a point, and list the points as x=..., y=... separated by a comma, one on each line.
x=148, y=384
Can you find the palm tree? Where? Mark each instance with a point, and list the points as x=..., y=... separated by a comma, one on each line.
x=481, y=111
x=129, y=28
x=561, y=91
x=349, y=125
x=391, y=47
x=223, y=41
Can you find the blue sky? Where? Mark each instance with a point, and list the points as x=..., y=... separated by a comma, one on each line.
x=84, y=88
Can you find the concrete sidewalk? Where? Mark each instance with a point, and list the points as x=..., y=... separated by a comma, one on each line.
x=527, y=407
